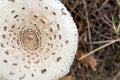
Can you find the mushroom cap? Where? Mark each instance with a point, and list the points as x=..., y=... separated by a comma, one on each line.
x=38, y=40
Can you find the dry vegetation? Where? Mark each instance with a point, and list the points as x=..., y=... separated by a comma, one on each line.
x=98, y=23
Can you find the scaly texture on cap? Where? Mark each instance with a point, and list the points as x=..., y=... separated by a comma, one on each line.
x=38, y=40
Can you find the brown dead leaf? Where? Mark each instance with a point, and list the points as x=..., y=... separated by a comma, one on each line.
x=67, y=78
x=92, y=63
x=88, y=61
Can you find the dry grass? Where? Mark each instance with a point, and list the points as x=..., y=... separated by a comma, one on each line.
x=99, y=34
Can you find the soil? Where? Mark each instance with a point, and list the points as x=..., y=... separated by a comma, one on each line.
x=95, y=21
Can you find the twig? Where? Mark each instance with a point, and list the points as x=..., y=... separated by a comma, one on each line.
x=105, y=45
x=118, y=1
x=104, y=3
x=101, y=42
x=101, y=69
x=100, y=34
x=117, y=76
x=88, y=24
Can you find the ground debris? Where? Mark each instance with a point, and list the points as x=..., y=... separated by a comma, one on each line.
x=100, y=14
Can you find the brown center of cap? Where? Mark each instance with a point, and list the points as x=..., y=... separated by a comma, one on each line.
x=29, y=39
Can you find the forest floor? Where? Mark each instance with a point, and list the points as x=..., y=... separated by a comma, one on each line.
x=98, y=23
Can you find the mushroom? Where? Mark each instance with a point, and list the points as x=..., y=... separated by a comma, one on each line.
x=38, y=40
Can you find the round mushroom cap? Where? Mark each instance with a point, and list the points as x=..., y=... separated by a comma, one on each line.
x=38, y=40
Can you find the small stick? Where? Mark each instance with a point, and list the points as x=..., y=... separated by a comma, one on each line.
x=105, y=45
x=101, y=42
x=88, y=24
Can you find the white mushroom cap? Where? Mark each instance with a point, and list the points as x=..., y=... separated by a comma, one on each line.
x=38, y=40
